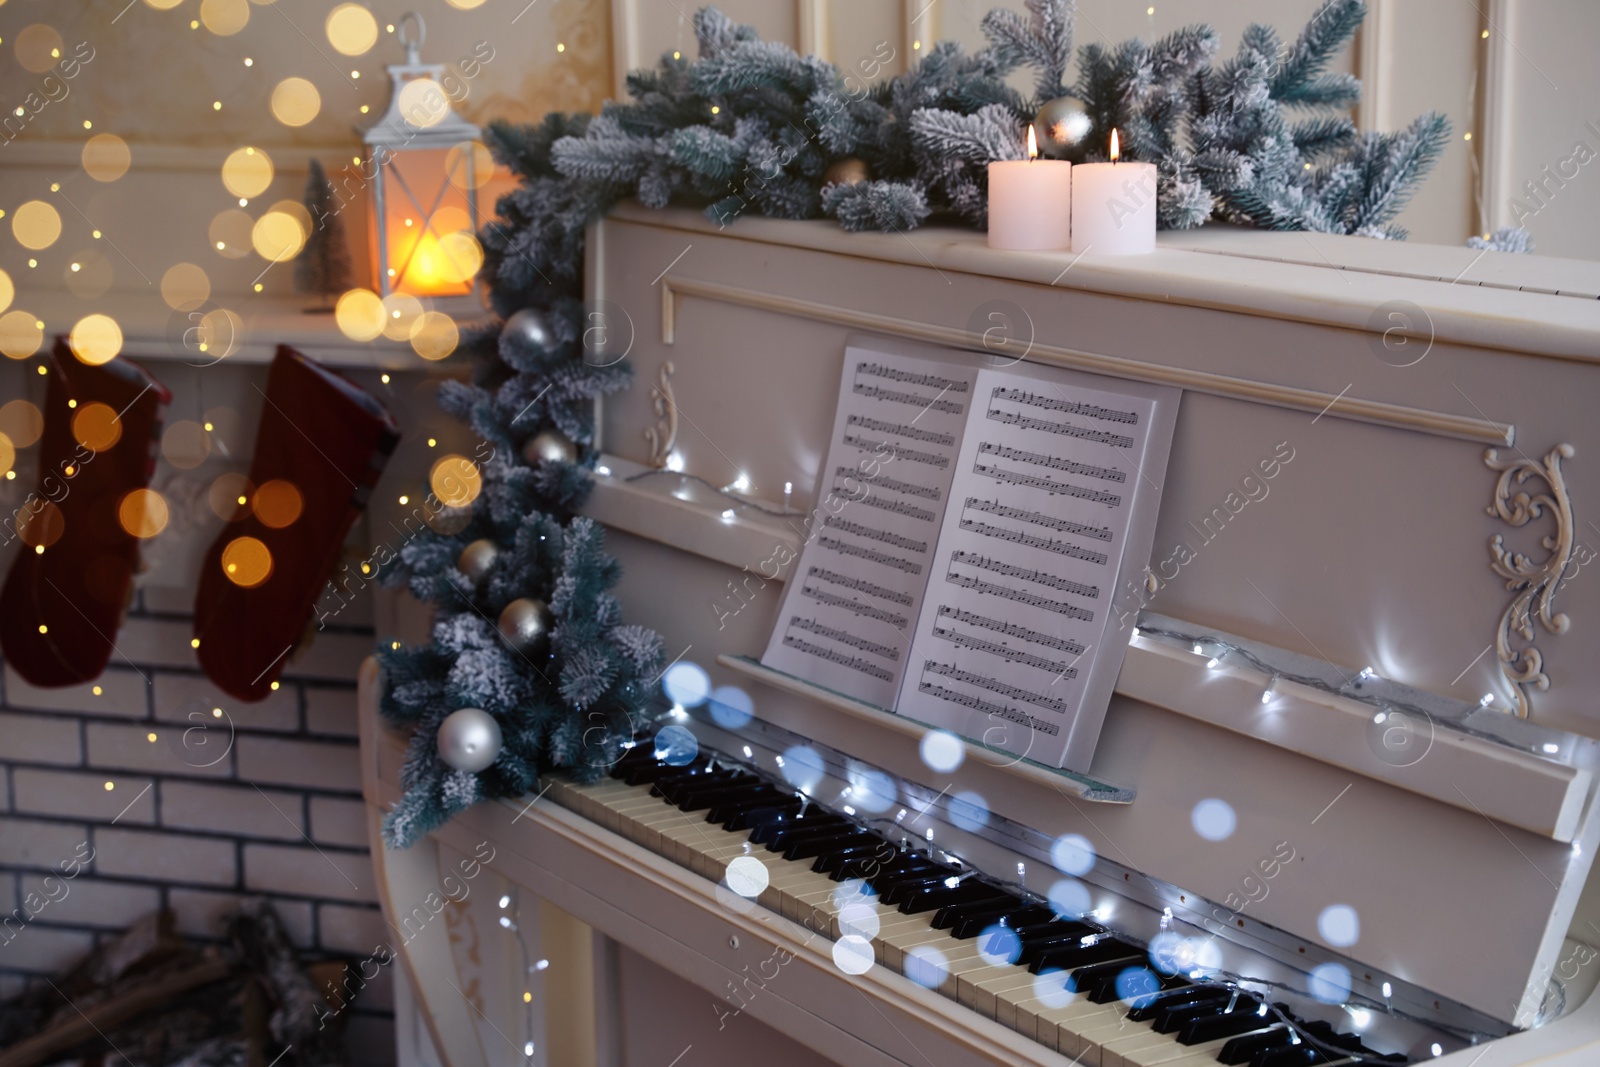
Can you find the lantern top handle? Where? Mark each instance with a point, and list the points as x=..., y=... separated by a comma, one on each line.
x=415, y=39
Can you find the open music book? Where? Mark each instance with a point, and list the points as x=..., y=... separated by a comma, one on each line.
x=972, y=521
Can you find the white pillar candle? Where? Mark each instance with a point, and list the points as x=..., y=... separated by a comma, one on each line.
x=1030, y=201
x=1114, y=206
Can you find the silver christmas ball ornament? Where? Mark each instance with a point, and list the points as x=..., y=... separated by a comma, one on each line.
x=469, y=739
x=526, y=623
x=551, y=446
x=1062, y=127
x=477, y=559
x=529, y=330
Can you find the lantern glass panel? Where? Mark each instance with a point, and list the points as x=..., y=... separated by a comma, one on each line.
x=428, y=221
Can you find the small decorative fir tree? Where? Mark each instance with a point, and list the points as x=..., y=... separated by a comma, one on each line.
x=323, y=267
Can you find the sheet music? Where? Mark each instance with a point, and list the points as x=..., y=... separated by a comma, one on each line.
x=851, y=604
x=1021, y=584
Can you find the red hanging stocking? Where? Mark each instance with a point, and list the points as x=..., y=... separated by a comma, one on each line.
x=67, y=589
x=320, y=448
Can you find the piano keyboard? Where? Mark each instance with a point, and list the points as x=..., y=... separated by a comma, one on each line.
x=1073, y=986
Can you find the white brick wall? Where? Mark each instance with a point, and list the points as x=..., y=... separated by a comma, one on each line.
x=278, y=815
x=83, y=794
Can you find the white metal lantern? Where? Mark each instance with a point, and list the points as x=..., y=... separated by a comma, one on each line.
x=426, y=165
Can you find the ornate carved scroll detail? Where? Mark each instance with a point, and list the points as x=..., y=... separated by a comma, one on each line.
x=664, y=434
x=1532, y=583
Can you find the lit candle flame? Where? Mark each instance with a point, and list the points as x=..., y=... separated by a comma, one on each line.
x=1114, y=149
x=1033, y=143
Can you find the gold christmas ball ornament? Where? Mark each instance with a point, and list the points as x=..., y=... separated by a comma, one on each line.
x=528, y=330
x=549, y=446
x=477, y=559
x=847, y=171
x=1063, y=126
x=469, y=739
x=526, y=624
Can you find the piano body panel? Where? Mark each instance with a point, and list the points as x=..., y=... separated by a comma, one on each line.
x=670, y=916
x=1389, y=560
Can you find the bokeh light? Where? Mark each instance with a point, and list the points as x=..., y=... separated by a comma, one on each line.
x=143, y=513
x=219, y=333
x=36, y=225
x=95, y=339
x=8, y=454
x=277, y=236
x=96, y=426
x=464, y=5
x=400, y=313
x=41, y=524
x=422, y=103
x=22, y=421
x=1137, y=984
x=927, y=966
x=295, y=101
x=224, y=17
x=351, y=29
x=247, y=562
x=20, y=334
x=942, y=750
x=229, y=496
x=247, y=171
x=747, y=876
x=163, y=5
x=802, y=768
x=455, y=481
x=871, y=790
x=185, y=444
x=686, y=684
x=185, y=287
x=434, y=335
x=359, y=315
x=456, y=163
x=1073, y=854
x=1330, y=983
x=38, y=47
x=278, y=503
x=230, y=232
x=1069, y=898
x=999, y=945
x=106, y=157
x=852, y=953
x=457, y=260
x=859, y=917
x=1339, y=925
x=676, y=746
x=1050, y=988
x=1214, y=819
x=731, y=707
x=969, y=811
x=7, y=290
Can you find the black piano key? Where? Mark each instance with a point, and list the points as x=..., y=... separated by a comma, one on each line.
x=646, y=773
x=670, y=787
x=950, y=914
x=835, y=859
x=1070, y=957
x=875, y=870
x=1050, y=937
x=1171, y=1018
x=1246, y=1047
x=1213, y=1027
x=937, y=896
x=1086, y=978
x=746, y=815
x=770, y=834
x=1147, y=1010
x=897, y=887
x=1301, y=1055
x=694, y=798
x=640, y=755
x=808, y=846
x=973, y=925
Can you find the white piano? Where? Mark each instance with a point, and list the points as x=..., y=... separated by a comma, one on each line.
x=1343, y=808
